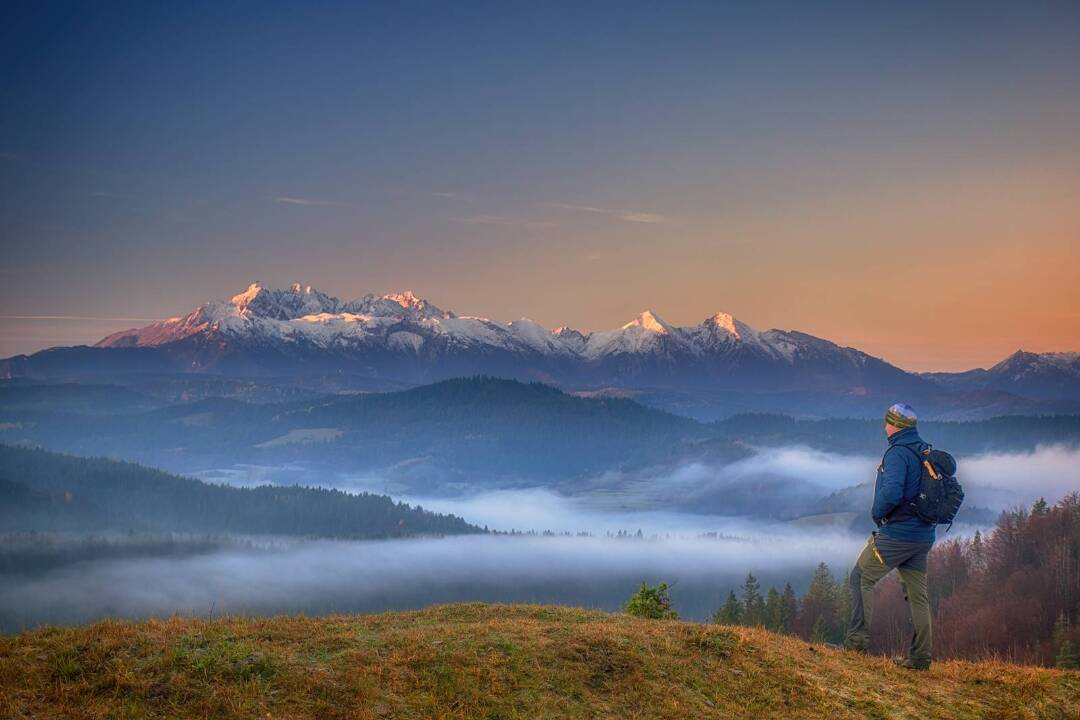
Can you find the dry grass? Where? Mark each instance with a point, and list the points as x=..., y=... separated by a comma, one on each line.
x=488, y=661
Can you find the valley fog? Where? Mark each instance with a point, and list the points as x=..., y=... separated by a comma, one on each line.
x=331, y=577
x=688, y=537
x=775, y=484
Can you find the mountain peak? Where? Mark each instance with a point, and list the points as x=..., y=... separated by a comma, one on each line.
x=407, y=300
x=648, y=320
x=724, y=321
x=243, y=299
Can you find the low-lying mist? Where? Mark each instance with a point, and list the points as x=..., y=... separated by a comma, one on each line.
x=774, y=485
x=702, y=528
x=318, y=577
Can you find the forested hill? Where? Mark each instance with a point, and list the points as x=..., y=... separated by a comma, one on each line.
x=478, y=430
x=45, y=491
x=463, y=429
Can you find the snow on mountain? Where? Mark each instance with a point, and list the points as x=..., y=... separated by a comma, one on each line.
x=399, y=338
x=1022, y=365
x=645, y=334
x=402, y=322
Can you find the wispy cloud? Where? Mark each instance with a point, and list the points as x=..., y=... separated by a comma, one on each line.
x=306, y=201
x=507, y=221
x=634, y=216
x=643, y=217
x=107, y=195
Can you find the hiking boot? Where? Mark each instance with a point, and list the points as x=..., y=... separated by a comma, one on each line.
x=909, y=664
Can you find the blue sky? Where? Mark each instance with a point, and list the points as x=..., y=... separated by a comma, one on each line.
x=571, y=162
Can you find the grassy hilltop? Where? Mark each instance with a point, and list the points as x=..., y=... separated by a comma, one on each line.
x=488, y=661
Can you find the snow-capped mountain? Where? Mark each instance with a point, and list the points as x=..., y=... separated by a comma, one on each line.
x=399, y=338
x=1052, y=376
x=419, y=336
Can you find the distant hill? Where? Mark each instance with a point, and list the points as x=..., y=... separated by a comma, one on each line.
x=44, y=491
x=464, y=428
x=477, y=431
x=490, y=661
x=274, y=338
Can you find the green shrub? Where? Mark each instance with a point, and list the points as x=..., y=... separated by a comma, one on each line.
x=651, y=602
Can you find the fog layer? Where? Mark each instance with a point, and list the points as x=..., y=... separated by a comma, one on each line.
x=672, y=509
x=325, y=577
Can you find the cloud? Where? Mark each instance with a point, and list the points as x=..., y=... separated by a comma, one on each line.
x=445, y=194
x=507, y=221
x=634, y=216
x=580, y=208
x=306, y=201
x=641, y=217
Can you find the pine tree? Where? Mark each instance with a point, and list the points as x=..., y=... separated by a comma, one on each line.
x=789, y=606
x=753, y=605
x=1067, y=657
x=822, y=586
x=978, y=553
x=1040, y=507
x=773, y=608
x=821, y=605
x=843, y=608
x=730, y=613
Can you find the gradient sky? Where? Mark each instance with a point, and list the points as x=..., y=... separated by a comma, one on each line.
x=903, y=178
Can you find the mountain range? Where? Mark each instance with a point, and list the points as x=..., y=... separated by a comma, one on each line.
x=717, y=368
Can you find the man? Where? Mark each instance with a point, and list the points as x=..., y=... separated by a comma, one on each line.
x=902, y=540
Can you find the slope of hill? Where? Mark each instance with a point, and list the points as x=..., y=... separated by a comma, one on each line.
x=44, y=491
x=489, y=661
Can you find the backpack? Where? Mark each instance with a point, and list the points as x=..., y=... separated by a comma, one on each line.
x=940, y=494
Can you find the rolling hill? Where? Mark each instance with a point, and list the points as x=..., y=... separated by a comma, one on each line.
x=490, y=661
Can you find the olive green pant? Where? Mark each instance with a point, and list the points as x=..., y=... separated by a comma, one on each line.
x=877, y=559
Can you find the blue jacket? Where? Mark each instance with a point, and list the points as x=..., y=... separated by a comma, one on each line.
x=898, y=484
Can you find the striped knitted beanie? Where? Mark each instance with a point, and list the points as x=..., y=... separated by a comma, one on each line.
x=901, y=415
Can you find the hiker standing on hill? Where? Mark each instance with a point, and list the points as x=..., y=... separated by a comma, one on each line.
x=902, y=540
